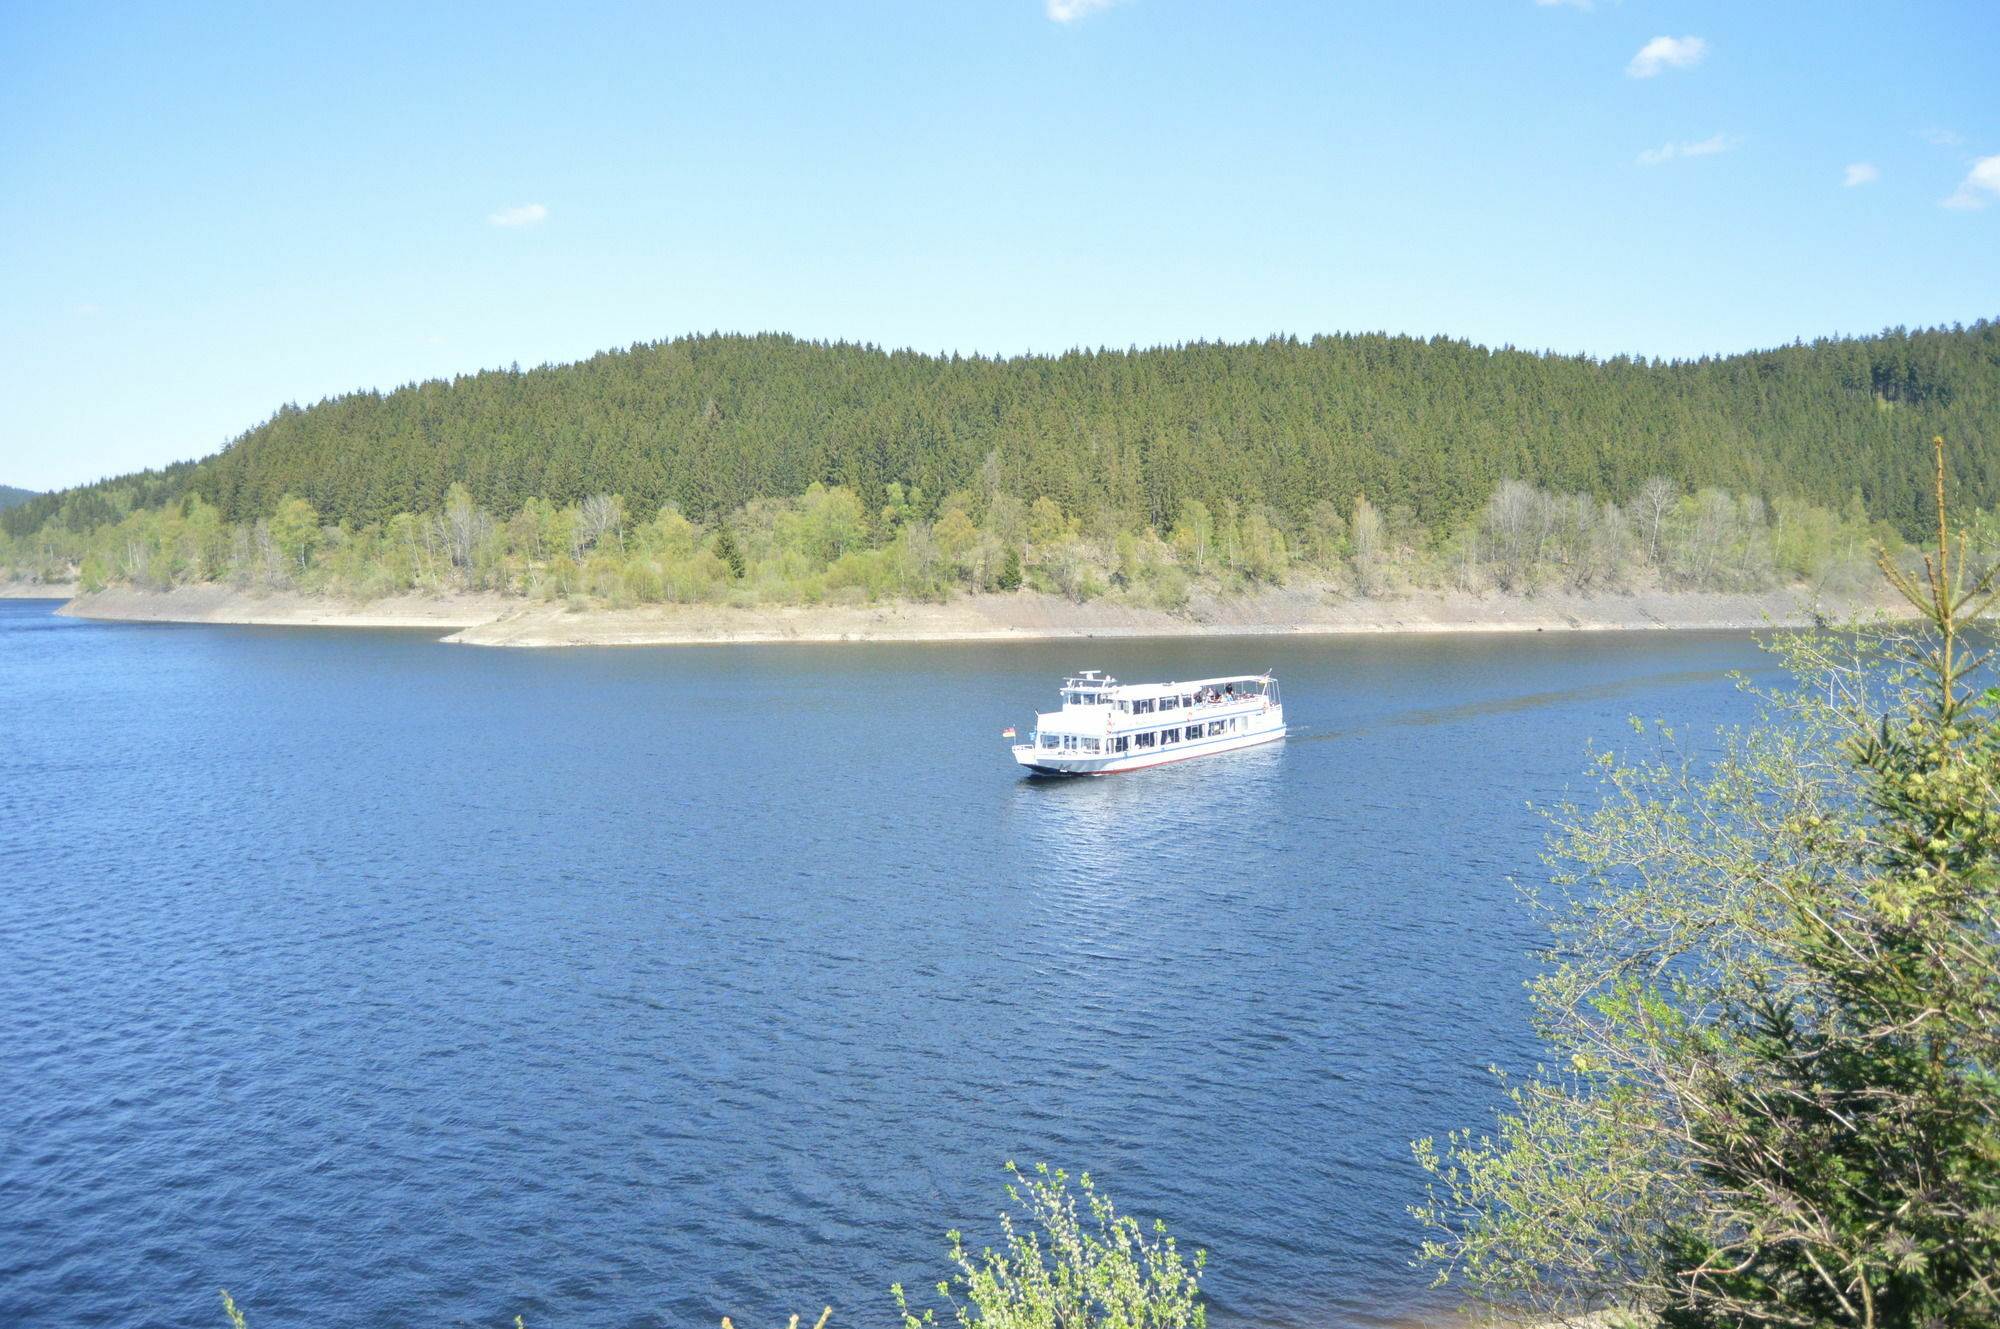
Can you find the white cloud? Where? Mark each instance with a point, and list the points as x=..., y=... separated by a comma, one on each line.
x=528, y=214
x=1667, y=152
x=1980, y=186
x=1860, y=173
x=1667, y=53
x=1944, y=138
x=1069, y=11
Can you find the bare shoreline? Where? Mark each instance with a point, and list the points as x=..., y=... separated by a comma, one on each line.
x=36, y=590
x=498, y=620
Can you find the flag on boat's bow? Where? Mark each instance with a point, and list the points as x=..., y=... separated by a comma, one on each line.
x=1006, y=733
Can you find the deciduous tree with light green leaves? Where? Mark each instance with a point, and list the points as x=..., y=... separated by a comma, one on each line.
x=1775, y=992
x=295, y=530
x=1059, y=1268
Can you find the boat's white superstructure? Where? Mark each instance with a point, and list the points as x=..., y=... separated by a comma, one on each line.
x=1106, y=726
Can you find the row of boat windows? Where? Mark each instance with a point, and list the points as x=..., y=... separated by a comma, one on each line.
x=1158, y=738
x=1148, y=705
x=1208, y=696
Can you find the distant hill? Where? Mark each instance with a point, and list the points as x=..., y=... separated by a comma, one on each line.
x=710, y=422
x=12, y=497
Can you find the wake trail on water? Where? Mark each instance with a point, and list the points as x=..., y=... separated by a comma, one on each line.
x=1527, y=701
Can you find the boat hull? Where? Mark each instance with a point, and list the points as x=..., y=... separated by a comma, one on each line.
x=1044, y=763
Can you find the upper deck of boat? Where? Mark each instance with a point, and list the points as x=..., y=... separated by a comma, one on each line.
x=1089, y=691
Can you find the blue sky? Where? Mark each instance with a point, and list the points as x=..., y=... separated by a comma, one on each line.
x=213, y=209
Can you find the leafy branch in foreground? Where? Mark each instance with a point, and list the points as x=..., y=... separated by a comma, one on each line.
x=1060, y=1270
x=824, y=1316
x=1776, y=984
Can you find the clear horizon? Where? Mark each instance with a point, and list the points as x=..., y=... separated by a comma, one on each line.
x=224, y=210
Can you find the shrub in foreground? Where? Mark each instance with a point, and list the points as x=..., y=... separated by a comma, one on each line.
x=1058, y=1267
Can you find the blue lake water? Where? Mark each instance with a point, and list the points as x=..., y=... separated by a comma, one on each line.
x=385, y=982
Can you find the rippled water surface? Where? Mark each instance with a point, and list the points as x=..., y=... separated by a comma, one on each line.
x=392, y=983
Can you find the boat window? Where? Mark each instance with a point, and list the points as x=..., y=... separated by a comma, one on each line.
x=1144, y=740
x=1118, y=744
x=1170, y=736
x=1215, y=727
x=1090, y=745
x=1143, y=707
x=1168, y=703
x=1050, y=742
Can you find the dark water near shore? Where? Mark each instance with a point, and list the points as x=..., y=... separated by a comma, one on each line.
x=391, y=983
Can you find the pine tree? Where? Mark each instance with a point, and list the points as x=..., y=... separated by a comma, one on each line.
x=731, y=556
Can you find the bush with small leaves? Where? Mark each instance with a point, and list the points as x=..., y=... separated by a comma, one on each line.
x=1059, y=1268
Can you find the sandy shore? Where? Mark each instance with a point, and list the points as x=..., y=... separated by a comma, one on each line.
x=496, y=620
x=223, y=604
x=36, y=590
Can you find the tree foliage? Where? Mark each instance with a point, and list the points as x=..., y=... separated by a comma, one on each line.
x=824, y=545
x=709, y=424
x=1059, y=1268
x=1776, y=987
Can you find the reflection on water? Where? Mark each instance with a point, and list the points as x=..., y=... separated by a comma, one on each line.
x=1098, y=824
x=399, y=983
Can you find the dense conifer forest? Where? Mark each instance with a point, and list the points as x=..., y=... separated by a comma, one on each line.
x=11, y=497
x=727, y=465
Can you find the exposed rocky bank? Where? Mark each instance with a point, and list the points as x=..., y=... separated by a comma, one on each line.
x=499, y=620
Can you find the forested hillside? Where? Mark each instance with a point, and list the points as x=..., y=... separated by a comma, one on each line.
x=708, y=424
x=766, y=470
x=11, y=497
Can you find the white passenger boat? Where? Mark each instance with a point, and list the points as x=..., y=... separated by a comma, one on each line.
x=1106, y=726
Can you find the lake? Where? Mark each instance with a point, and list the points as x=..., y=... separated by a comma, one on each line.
x=385, y=982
